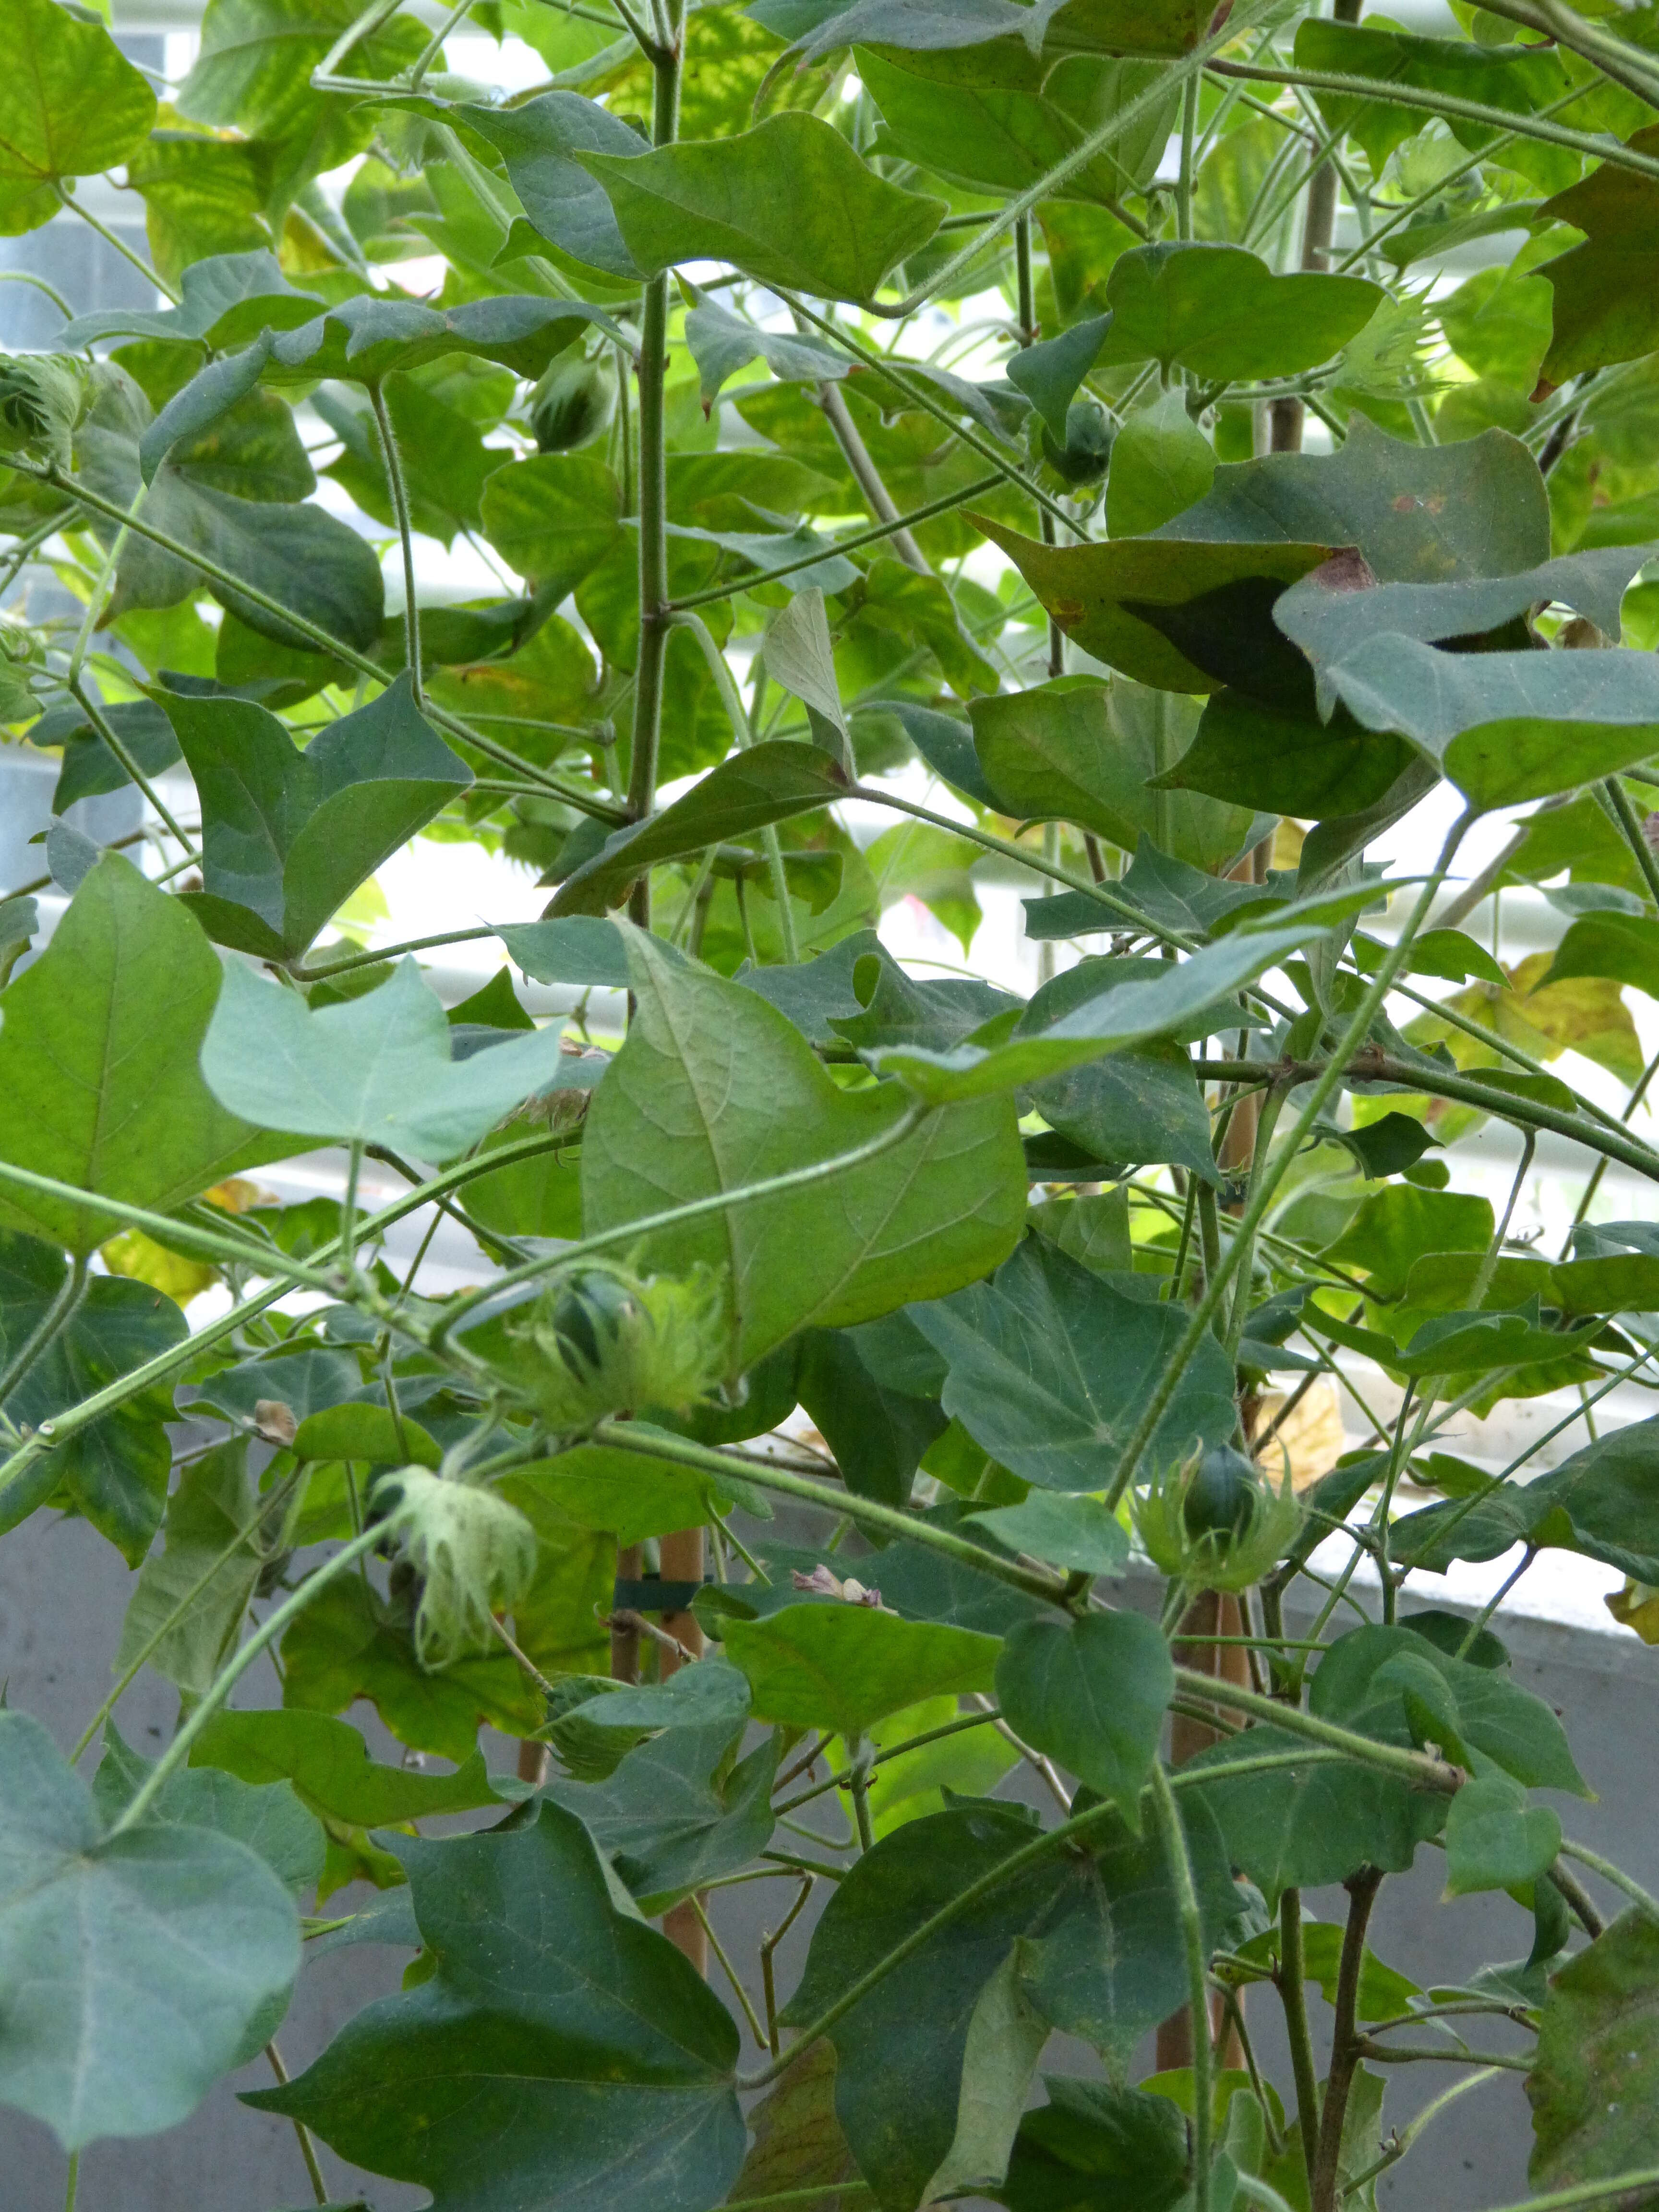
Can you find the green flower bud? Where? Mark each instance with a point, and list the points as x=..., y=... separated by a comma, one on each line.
x=1213, y=1523
x=602, y=1340
x=476, y=1555
x=574, y=403
x=1089, y=434
x=42, y=397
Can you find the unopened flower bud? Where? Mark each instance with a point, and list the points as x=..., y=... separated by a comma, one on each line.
x=475, y=1553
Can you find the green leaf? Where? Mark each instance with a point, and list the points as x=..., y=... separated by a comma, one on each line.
x=367, y=337
x=1600, y=1502
x=583, y=2059
x=1077, y=1533
x=1495, y=1839
x=661, y=1820
x=1091, y=2138
x=72, y=104
x=553, y=517
x=1051, y=1366
x=288, y=835
x=202, y=1573
x=268, y=1818
x=789, y=203
x=1247, y=752
x=1595, y=2081
x=327, y=1763
x=769, y=783
x=600, y=1488
x=375, y=1070
x=1141, y=1105
x=1225, y=316
x=710, y=1694
x=843, y=1666
x=1418, y=514
x=1363, y=1683
x=1392, y=1229
x=1092, y=591
x=349, y=1643
x=798, y=2139
x=1623, y=946
x=313, y=563
x=228, y=299
x=1005, y=2039
x=1522, y=80
x=114, y=1470
x=539, y=142
x=1162, y=463
x=99, y=1045
x=1092, y=1692
x=878, y=1436
x=713, y=1090
x=1093, y=1935
x=1294, y=1827
x=1123, y=1013
x=1004, y=136
x=721, y=343
x=1051, y=372
x=1506, y=726
x=1603, y=287
x=136, y=1965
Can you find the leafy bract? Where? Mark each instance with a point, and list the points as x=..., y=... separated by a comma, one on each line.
x=789, y=203
x=100, y=1084
x=582, y=2057
x=1051, y=1366
x=136, y=1964
x=844, y=1667
x=1222, y=312
x=72, y=104
x=714, y=1090
x=375, y=1070
x=288, y=835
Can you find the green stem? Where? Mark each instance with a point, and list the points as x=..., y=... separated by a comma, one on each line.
x=726, y=684
x=348, y=1208
x=674, y=1217
x=1353, y=1036
x=392, y=463
x=232, y=1673
x=1324, y=2181
x=302, y=2133
x=858, y=1784
x=213, y=1244
x=1616, y=1876
x=863, y=1512
x=782, y=2196
x=1183, y=200
x=1617, y=799
x=68, y=199
x=1403, y=2142
x=1588, y=2192
x=73, y=2189
x=99, y=722
x=1293, y=1997
x=166, y=1364
x=1411, y=1766
x=1452, y=107
x=872, y=535
x=374, y=957
x=1198, y=1993
x=1272, y=1106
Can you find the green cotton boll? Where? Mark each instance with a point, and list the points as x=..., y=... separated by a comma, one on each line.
x=43, y=396
x=1089, y=434
x=476, y=1555
x=1213, y=1523
x=603, y=1341
x=573, y=404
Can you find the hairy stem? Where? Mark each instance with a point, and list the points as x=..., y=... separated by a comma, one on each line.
x=1346, y=2042
x=1293, y=1997
x=1174, y=1837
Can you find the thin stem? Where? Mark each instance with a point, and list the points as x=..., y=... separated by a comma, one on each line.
x=858, y=1784
x=730, y=1970
x=39, y=284
x=1497, y=1599
x=1616, y=1876
x=1402, y=2143
x=1292, y=1981
x=831, y=547
x=768, y=1944
x=1449, y=105
x=68, y=199
x=232, y=1673
x=1398, y=2054
x=1174, y=1838
x=863, y=1512
x=1413, y=1766
x=1353, y=1036
x=399, y=490
x=674, y=1217
x=307, y=2148
x=1183, y=204
x=73, y=2189
x=348, y=1208
x=95, y=715
x=1617, y=799
x=856, y=454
